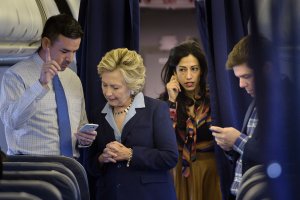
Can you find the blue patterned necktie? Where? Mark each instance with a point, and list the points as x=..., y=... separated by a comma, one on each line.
x=63, y=118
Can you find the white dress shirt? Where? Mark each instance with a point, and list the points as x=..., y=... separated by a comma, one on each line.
x=28, y=110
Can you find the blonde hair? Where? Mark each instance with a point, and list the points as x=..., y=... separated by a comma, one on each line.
x=130, y=64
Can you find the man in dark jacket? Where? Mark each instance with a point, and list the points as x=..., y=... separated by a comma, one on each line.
x=242, y=147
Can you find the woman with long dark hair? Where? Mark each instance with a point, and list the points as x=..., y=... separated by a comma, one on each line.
x=184, y=75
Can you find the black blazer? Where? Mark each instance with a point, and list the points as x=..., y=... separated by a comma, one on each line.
x=253, y=151
x=151, y=136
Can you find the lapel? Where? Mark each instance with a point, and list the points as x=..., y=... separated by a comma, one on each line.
x=247, y=116
x=131, y=124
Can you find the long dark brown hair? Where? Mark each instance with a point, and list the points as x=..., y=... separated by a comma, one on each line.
x=176, y=54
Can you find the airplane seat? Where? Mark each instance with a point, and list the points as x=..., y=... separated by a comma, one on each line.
x=41, y=189
x=257, y=169
x=17, y=196
x=254, y=184
x=77, y=169
x=45, y=166
x=59, y=180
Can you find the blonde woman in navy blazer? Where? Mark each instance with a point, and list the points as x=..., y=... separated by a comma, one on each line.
x=136, y=146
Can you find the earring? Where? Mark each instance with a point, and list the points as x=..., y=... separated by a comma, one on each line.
x=131, y=92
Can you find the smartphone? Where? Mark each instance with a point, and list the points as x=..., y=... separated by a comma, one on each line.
x=88, y=127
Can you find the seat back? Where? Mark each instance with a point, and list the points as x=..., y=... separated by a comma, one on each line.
x=254, y=185
x=77, y=169
x=17, y=196
x=63, y=183
x=44, y=166
x=257, y=169
x=41, y=189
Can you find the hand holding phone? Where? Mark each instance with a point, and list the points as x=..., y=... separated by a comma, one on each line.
x=87, y=128
x=86, y=135
x=215, y=129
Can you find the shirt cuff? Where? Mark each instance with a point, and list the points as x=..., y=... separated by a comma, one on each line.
x=240, y=143
x=84, y=146
x=38, y=89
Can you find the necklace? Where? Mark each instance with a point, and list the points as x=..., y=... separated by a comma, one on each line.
x=123, y=111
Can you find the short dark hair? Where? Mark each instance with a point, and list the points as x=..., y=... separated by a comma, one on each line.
x=249, y=47
x=62, y=24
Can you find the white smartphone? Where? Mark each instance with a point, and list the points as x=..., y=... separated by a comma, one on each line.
x=88, y=127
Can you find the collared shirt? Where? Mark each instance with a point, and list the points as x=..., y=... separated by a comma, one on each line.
x=239, y=147
x=138, y=102
x=28, y=110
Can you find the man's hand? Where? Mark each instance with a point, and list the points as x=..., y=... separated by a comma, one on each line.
x=87, y=138
x=225, y=137
x=49, y=69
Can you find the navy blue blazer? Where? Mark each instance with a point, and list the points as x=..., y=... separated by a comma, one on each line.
x=152, y=138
